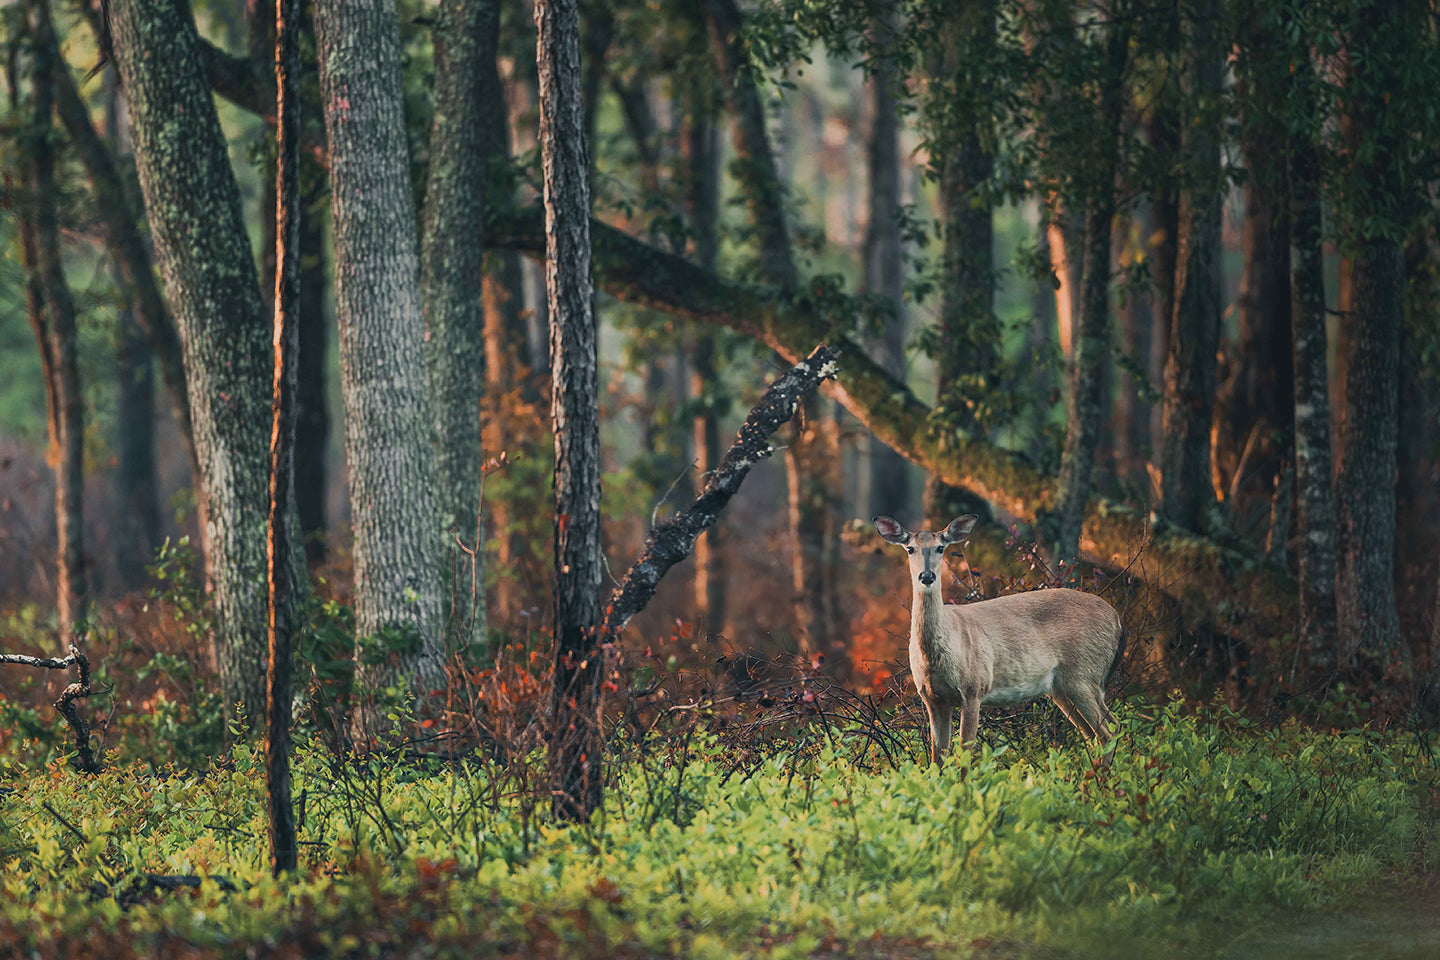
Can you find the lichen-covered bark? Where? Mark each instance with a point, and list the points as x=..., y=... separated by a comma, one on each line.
x=1092, y=342
x=576, y=744
x=193, y=206
x=452, y=259
x=1185, y=483
x=388, y=430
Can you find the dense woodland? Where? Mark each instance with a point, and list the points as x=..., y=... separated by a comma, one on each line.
x=373, y=372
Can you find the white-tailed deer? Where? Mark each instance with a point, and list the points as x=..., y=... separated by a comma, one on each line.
x=1006, y=650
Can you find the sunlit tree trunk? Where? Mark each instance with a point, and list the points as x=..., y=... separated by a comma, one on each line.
x=388, y=431
x=205, y=260
x=576, y=744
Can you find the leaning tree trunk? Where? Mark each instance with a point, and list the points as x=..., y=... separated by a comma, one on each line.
x=576, y=744
x=205, y=260
x=1092, y=344
x=1185, y=481
x=388, y=431
x=884, y=266
x=452, y=256
x=56, y=333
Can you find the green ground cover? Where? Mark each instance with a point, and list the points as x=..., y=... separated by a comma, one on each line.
x=818, y=845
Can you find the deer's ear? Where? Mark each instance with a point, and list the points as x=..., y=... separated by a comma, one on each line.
x=891, y=530
x=959, y=528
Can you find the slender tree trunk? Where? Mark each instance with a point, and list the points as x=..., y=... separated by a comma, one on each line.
x=702, y=151
x=209, y=273
x=280, y=565
x=137, y=486
x=884, y=266
x=576, y=744
x=388, y=431
x=55, y=331
x=1092, y=346
x=452, y=257
x=969, y=331
x=1185, y=488
x=1136, y=317
x=1314, y=507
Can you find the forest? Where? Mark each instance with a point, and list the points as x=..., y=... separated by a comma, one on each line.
x=535, y=478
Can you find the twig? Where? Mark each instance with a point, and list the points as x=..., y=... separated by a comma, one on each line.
x=85, y=759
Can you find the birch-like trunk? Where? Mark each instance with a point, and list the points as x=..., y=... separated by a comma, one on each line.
x=388, y=431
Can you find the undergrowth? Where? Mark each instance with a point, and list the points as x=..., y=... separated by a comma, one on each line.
x=817, y=841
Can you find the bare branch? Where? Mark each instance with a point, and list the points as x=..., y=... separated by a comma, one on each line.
x=80, y=689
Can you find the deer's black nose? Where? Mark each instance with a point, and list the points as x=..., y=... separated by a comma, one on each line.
x=927, y=577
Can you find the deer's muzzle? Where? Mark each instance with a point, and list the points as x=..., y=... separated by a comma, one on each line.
x=927, y=577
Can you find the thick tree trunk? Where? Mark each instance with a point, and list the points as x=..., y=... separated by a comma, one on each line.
x=576, y=742
x=885, y=268
x=55, y=332
x=209, y=273
x=452, y=257
x=1314, y=507
x=1185, y=481
x=1092, y=345
x=280, y=554
x=388, y=431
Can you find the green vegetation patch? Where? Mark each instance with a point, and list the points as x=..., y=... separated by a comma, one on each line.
x=824, y=847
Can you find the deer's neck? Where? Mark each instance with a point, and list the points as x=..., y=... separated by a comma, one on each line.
x=927, y=621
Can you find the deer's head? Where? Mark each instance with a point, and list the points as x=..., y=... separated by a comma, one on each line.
x=925, y=548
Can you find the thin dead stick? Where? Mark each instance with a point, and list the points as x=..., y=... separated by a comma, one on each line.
x=671, y=541
x=85, y=755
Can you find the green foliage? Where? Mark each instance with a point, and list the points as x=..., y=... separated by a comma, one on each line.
x=1183, y=822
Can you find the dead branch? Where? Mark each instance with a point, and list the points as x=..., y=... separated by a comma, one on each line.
x=671, y=541
x=80, y=689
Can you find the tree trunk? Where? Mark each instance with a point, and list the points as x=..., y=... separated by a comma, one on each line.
x=884, y=266
x=388, y=431
x=312, y=412
x=209, y=273
x=1185, y=482
x=703, y=153
x=576, y=742
x=1092, y=346
x=1314, y=513
x=452, y=257
x=280, y=565
x=1136, y=317
x=55, y=331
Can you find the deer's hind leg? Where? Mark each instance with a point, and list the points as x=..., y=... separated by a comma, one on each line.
x=1074, y=714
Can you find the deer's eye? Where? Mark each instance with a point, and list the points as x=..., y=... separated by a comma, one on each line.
x=909, y=549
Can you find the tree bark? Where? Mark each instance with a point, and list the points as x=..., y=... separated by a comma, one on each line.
x=389, y=443
x=312, y=412
x=452, y=256
x=884, y=264
x=1136, y=317
x=1092, y=346
x=56, y=332
x=204, y=257
x=280, y=565
x=1314, y=507
x=576, y=743
x=1185, y=487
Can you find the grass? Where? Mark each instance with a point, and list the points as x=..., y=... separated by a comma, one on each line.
x=812, y=844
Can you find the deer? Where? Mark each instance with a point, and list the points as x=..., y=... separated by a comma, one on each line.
x=1008, y=649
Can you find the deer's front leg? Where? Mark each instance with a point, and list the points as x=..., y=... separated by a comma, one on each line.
x=940, y=716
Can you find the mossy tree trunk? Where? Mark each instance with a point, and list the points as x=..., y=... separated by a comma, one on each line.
x=203, y=253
